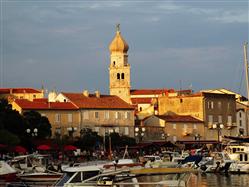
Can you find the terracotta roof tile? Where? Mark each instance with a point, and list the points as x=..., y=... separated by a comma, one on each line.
x=29, y=105
x=102, y=102
x=151, y=91
x=179, y=118
x=18, y=90
x=141, y=100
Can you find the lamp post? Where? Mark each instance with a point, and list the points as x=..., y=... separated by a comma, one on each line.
x=219, y=127
x=165, y=136
x=32, y=133
x=139, y=133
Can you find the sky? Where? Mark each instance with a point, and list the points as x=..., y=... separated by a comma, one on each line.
x=63, y=45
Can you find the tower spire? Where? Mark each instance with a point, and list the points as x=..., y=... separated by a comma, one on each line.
x=118, y=27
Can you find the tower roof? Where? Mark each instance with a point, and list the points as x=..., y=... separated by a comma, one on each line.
x=118, y=43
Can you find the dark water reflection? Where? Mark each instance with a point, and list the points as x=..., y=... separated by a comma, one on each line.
x=204, y=180
x=221, y=180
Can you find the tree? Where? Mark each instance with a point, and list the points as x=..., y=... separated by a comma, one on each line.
x=34, y=120
x=8, y=138
x=11, y=120
x=89, y=139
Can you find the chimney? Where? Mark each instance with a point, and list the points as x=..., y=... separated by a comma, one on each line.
x=86, y=93
x=97, y=94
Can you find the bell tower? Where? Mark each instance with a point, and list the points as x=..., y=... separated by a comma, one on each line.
x=119, y=69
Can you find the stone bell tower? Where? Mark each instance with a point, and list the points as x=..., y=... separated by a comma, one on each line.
x=119, y=69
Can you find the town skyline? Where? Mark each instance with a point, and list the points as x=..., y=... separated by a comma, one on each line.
x=172, y=45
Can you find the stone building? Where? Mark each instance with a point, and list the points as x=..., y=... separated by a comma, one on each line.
x=102, y=113
x=211, y=108
x=21, y=93
x=173, y=128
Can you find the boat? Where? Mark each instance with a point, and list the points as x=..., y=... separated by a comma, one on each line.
x=239, y=153
x=134, y=177
x=216, y=162
x=39, y=177
x=83, y=171
x=7, y=173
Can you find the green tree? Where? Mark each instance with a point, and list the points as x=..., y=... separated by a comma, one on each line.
x=89, y=139
x=34, y=120
x=8, y=138
x=11, y=120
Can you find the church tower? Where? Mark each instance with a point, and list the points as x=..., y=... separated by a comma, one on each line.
x=119, y=69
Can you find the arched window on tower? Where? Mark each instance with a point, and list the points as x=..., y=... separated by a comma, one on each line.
x=122, y=76
x=114, y=63
x=118, y=76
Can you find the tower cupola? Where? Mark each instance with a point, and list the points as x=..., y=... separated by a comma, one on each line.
x=118, y=43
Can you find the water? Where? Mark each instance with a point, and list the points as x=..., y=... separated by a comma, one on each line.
x=203, y=180
x=222, y=180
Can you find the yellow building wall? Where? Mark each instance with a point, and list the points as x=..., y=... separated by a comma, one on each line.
x=182, y=106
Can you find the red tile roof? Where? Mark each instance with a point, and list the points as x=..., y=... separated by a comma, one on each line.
x=18, y=90
x=102, y=102
x=179, y=118
x=141, y=100
x=29, y=105
x=151, y=91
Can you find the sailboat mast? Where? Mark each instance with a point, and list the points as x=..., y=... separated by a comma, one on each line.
x=246, y=68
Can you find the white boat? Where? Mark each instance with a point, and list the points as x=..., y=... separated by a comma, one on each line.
x=7, y=173
x=83, y=171
x=216, y=162
x=239, y=152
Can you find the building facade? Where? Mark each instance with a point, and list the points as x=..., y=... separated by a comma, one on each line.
x=174, y=128
x=211, y=108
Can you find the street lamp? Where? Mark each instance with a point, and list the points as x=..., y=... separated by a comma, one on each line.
x=165, y=136
x=139, y=133
x=34, y=133
x=219, y=127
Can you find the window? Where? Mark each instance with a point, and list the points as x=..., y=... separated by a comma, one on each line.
x=34, y=96
x=210, y=104
x=210, y=118
x=220, y=119
x=114, y=63
x=229, y=119
x=174, y=138
x=228, y=106
x=194, y=126
x=174, y=126
x=126, y=131
x=127, y=115
x=85, y=115
x=118, y=76
x=57, y=118
x=219, y=104
x=240, y=114
x=240, y=123
x=181, y=100
x=43, y=115
x=122, y=76
x=118, y=115
x=185, y=127
x=70, y=118
x=140, y=108
x=96, y=115
x=107, y=115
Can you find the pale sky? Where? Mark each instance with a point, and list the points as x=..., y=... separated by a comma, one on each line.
x=173, y=44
